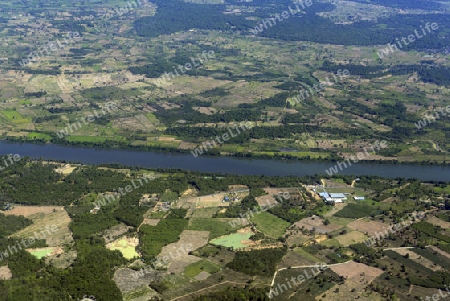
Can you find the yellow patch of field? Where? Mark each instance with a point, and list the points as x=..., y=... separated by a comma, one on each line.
x=126, y=246
x=213, y=200
x=351, y=238
x=65, y=169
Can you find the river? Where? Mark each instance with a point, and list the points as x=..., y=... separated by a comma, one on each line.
x=229, y=165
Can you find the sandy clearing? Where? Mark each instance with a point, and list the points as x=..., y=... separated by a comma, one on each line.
x=369, y=227
x=178, y=252
x=316, y=223
x=5, y=273
x=26, y=211
x=356, y=272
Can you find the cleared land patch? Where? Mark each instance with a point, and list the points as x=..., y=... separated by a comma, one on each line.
x=316, y=223
x=351, y=238
x=369, y=227
x=126, y=246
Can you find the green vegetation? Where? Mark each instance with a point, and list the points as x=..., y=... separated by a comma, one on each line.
x=257, y=262
x=356, y=211
x=154, y=238
x=269, y=224
x=196, y=268
x=216, y=227
x=232, y=241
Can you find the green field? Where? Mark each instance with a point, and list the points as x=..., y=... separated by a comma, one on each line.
x=204, y=265
x=15, y=116
x=232, y=240
x=216, y=227
x=269, y=224
x=42, y=253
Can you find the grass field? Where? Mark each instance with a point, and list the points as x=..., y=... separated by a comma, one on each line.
x=201, y=266
x=41, y=253
x=216, y=227
x=270, y=224
x=15, y=116
x=126, y=247
x=232, y=240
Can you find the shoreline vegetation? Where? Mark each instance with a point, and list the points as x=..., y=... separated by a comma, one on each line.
x=250, y=155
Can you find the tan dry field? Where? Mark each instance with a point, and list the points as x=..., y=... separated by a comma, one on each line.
x=26, y=211
x=232, y=188
x=178, y=252
x=205, y=110
x=296, y=238
x=127, y=283
x=266, y=200
x=422, y=291
x=356, y=272
x=351, y=238
x=213, y=200
x=5, y=273
x=202, y=276
x=369, y=227
x=115, y=232
x=419, y=259
x=66, y=169
x=440, y=251
x=438, y=222
x=150, y=221
x=316, y=223
x=42, y=219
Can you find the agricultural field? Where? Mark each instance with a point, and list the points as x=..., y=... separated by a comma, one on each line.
x=186, y=253
x=269, y=224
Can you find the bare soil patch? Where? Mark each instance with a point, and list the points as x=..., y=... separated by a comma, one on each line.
x=127, y=283
x=438, y=222
x=5, y=273
x=369, y=227
x=178, y=252
x=316, y=223
x=44, y=221
x=150, y=221
x=205, y=110
x=356, y=272
x=115, y=232
x=26, y=211
x=351, y=238
x=213, y=200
